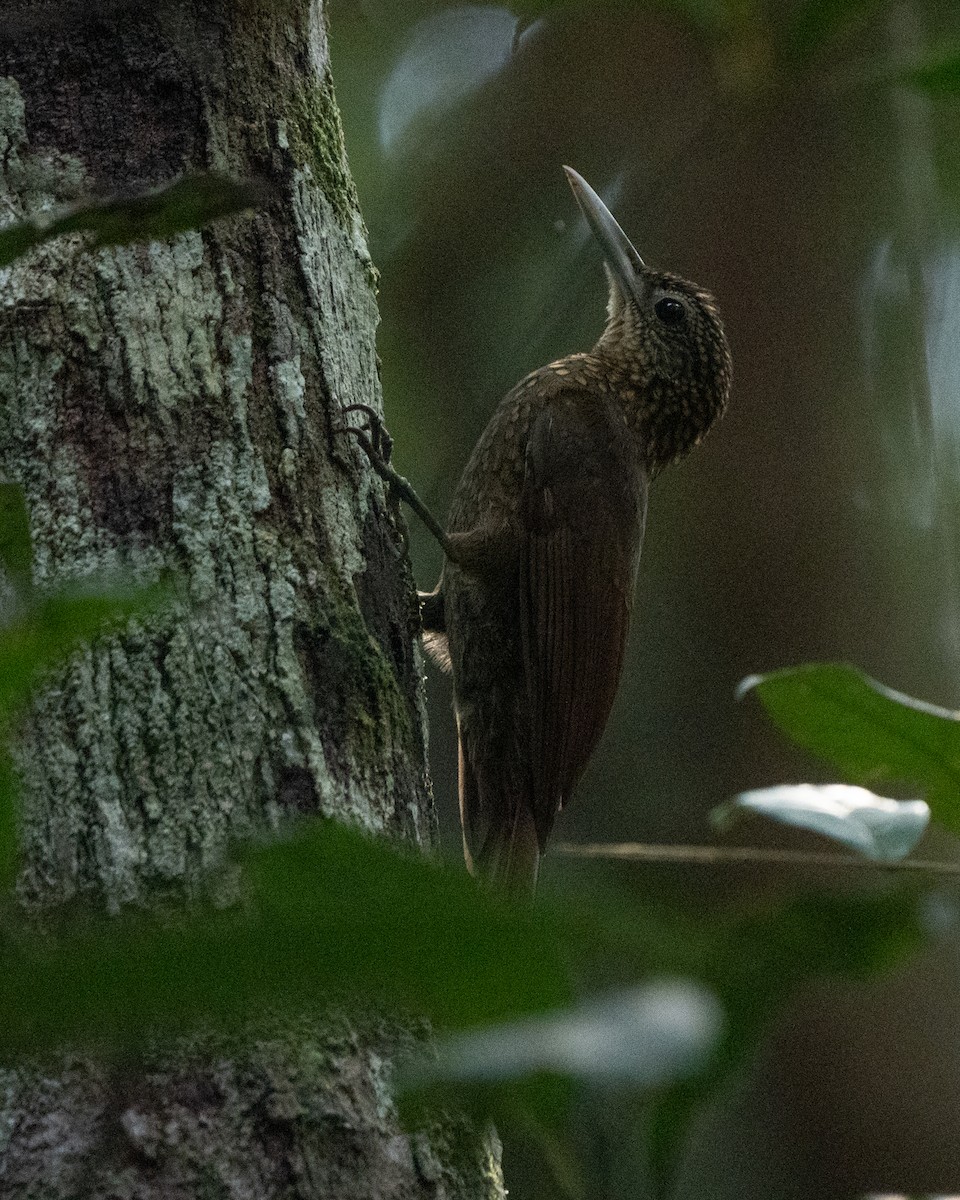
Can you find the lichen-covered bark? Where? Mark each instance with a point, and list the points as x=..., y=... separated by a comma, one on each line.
x=174, y=407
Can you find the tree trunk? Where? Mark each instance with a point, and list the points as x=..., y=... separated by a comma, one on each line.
x=174, y=407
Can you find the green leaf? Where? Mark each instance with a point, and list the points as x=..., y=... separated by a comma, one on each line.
x=327, y=916
x=16, y=549
x=874, y=735
x=882, y=829
x=45, y=631
x=189, y=203
x=54, y=626
x=644, y=1036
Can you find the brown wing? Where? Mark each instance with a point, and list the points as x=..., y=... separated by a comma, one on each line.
x=583, y=512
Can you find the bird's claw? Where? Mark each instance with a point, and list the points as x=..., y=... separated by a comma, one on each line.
x=374, y=439
x=377, y=444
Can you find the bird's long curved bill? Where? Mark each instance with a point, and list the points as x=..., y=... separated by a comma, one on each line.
x=622, y=259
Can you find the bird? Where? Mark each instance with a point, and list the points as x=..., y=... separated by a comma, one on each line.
x=542, y=546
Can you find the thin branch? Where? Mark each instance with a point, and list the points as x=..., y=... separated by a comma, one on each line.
x=744, y=856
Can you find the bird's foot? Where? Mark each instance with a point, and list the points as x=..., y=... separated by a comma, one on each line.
x=377, y=444
x=374, y=440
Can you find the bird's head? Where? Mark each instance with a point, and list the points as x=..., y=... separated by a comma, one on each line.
x=663, y=335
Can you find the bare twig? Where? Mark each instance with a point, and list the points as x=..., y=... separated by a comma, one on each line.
x=744, y=856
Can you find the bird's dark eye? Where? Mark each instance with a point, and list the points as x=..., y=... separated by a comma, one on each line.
x=670, y=311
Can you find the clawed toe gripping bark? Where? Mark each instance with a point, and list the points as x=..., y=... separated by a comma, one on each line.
x=377, y=444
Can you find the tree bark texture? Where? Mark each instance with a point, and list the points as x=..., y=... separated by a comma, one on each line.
x=174, y=407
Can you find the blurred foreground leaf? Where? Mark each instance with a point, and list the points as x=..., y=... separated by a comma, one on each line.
x=55, y=625
x=328, y=915
x=644, y=1037
x=874, y=735
x=44, y=633
x=882, y=829
x=519, y=1074
x=41, y=632
x=189, y=203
